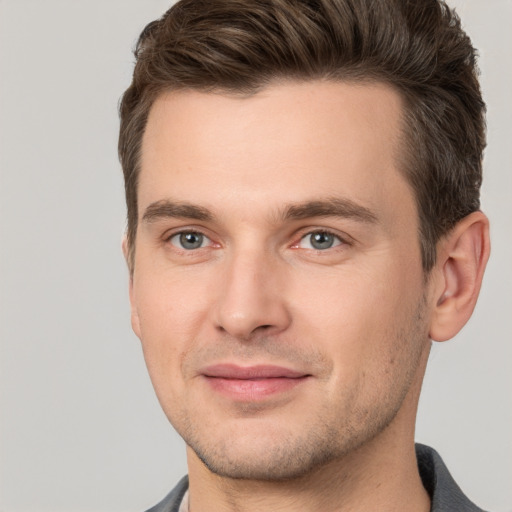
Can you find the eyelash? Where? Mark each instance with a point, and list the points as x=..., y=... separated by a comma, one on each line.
x=187, y=232
x=342, y=241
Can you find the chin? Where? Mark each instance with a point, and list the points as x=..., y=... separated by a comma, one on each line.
x=267, y=455
x=272, y=465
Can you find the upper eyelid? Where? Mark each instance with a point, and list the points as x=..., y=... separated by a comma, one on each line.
x=326, y=231
x=169, y=233
x=342, y=236
x=180, y=232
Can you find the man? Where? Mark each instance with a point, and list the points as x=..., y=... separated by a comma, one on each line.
x=302, y=181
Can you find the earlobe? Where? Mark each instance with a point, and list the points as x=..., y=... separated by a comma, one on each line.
x=462, y=257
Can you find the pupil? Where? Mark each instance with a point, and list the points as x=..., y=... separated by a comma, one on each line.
x=322, y=240
x=191, y=240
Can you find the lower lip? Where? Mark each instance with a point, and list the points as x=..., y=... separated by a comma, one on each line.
x=253, y=389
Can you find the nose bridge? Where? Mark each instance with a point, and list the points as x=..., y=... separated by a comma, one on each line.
x=251, y=297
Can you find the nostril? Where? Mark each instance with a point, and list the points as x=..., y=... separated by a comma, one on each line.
x=264, y=327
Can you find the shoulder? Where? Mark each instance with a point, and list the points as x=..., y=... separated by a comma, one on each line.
x=171, y=503
x=446, y=495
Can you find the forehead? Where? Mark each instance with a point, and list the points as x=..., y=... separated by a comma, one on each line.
x=289, y=142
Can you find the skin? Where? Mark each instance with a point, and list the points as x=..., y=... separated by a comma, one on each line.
x=252, y=180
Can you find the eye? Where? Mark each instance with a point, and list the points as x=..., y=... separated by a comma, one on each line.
x=189, y=240
x=319, y=241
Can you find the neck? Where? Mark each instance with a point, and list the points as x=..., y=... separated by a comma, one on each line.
x=369, y=483
x=369, y=478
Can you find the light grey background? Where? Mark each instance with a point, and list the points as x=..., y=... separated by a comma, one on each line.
x=80, y=427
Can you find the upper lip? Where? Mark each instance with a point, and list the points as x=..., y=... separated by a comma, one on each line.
x=233, y=371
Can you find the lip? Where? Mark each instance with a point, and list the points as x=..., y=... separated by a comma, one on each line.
x=233, y=371
x=252, y=383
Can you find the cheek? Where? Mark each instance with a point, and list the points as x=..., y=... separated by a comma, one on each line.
x=169, y=303
x=359, y=313
x=371, y=339
x=171, y=313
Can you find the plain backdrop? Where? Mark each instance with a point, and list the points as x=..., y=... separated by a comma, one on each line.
x=80, y=427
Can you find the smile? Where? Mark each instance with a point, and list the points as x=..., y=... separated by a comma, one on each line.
x=252, y=383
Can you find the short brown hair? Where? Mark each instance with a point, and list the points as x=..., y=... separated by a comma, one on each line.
x=240, y=46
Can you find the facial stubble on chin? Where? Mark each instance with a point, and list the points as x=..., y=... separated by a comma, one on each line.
x=323, y=438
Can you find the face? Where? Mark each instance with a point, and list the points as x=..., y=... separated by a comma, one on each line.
x=278, y=290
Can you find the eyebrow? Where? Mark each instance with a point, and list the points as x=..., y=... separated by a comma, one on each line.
x=170, y=209
x=330, y=207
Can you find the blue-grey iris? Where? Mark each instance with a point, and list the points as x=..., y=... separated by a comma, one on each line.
x=322, y=240
x=191, y=240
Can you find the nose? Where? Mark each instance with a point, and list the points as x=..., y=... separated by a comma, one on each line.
x=252, y=297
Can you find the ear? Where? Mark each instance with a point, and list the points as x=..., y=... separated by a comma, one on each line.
x=462, y=257
x=133, y=307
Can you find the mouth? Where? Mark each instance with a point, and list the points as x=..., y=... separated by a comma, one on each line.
x=252, y=383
